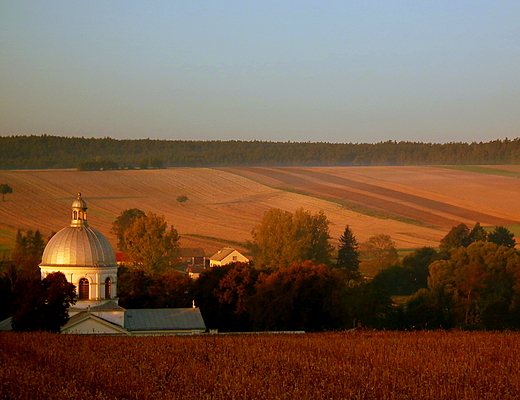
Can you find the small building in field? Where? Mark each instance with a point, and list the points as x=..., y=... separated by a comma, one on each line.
x=226, y=255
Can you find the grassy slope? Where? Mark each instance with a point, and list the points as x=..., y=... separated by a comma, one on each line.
x=225, y=204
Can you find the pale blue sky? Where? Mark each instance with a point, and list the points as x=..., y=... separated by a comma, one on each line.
x=334, y=71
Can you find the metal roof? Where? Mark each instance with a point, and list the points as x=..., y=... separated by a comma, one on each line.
x=164, y=319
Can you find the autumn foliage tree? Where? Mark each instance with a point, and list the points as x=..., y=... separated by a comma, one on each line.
x=122, y=223
x=150, y=245
x=378, y=253
x=304, y=296
x=44, y=305
x=478, y=286
x=283, y=238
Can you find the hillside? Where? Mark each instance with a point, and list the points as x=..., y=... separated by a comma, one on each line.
x=416, y=206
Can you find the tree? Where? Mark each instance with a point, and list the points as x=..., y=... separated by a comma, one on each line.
x=182, y=199
x=348, y=254
x=122, y=223
x=416, y=264
x=5, y=189
x=456, y=237
x=283, y=238
x=477, y=234
x=304, y=296
x=150, y=245
x=477, y=281
x=503, y=237
x=44, y=306
x=378, y=253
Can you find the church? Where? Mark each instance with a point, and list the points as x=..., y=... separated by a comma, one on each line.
x=88, y=261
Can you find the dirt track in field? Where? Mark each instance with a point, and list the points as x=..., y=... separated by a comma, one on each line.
x=226, y=203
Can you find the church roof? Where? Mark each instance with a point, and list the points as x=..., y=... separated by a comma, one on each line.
x=78, y=244
x=164, y=319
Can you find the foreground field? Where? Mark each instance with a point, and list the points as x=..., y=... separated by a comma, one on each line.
x=416, y=206
x=352, y=365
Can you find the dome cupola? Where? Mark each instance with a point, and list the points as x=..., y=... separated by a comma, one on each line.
x=84, y=255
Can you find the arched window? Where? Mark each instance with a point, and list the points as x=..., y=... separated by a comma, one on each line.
x=83, y=289
x=108, y=288
x=75, y=214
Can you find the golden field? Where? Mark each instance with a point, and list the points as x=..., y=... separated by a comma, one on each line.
x=351, y=365
x=416, y=206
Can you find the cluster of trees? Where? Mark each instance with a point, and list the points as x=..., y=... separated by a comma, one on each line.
x=19, y=152
x=33, y=303
x=472, y=282
x=296, y=282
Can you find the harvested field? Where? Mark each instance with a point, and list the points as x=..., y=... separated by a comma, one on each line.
x=416, y=206
x=348, y=365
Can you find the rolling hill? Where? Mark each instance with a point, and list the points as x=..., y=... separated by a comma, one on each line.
x=416, y=206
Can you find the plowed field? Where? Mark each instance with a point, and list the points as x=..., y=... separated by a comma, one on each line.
x=416, y=206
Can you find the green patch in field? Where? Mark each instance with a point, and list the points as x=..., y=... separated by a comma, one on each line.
x=482, y=170
x=515, y=229
x=218, y=240
x=7, y=239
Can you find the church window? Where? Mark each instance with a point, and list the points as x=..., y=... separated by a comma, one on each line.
x=108, y=288
x=83, y=289
x=75, y=215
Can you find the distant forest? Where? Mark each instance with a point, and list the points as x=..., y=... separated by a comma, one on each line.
x=45, y=152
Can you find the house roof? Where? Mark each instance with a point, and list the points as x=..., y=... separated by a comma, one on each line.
x=5, y=325
x=164, y=319
x=108, y=306
x=222, y=253
x=83, y=316
x=192, y=252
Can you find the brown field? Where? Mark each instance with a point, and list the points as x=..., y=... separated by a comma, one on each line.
x=416, y=206
x=350, y=365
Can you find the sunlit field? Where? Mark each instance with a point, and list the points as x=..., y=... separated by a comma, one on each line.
x=416, y=206
x=350, y=365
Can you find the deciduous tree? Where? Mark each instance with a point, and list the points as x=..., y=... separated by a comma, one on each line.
x=122, y=223
x=44, y=305
x=283, y=238
x=378, y=253
x=150, y=245
x=5, y=189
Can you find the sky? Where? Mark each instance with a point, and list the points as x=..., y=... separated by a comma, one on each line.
x=302, y=71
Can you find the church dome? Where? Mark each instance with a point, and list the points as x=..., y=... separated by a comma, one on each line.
x=78, y=244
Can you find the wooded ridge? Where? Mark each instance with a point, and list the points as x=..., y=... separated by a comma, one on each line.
x=45, y=152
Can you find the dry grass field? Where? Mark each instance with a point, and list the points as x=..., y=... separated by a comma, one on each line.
x=436, y=365
x=416, y=206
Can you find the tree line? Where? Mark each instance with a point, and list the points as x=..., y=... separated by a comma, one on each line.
x=296, y=281
x=25, y=152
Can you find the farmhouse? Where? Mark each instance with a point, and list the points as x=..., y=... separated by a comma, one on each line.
x=88, y=261
x=225, y=256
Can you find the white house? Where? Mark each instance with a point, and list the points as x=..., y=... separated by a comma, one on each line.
x=225, y=256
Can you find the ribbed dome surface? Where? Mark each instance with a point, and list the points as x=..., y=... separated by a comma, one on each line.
x=79, y=246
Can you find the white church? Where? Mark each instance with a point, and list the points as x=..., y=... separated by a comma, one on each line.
x=88, y=261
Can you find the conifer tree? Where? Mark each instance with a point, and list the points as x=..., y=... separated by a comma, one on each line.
x=348, y=254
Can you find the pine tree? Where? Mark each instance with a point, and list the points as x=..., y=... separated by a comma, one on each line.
x=348, y=254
